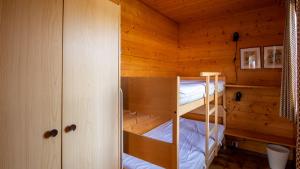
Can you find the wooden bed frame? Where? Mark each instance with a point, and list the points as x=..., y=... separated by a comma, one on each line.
x=160, y=96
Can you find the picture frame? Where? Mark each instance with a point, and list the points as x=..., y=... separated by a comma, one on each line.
x=273, y=56
x=250, y=58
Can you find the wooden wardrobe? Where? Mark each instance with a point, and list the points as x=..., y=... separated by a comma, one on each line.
x=59, y=84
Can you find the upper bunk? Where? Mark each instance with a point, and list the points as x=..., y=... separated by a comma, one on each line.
x=166, y=96
x=193, y=92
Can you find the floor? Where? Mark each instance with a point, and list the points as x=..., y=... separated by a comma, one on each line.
x=232, y=158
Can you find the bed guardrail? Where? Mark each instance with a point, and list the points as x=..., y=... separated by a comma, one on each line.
x=151, y=150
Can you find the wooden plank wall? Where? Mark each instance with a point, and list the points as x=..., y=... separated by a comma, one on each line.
x=258, y=111
x=148, y=102
x=207, y=45
x=149, y=48
x=148, y=41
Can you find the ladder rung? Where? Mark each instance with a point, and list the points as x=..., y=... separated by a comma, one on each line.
x=212, y=111
x=211, y=149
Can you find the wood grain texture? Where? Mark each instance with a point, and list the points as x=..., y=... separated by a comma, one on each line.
x=185, y=11
x=116, y=1
x=257, y=112
x=149, y=41
x=147, y=97
x=206, y=45
x=254, y=146
x=30, y=83
x=148, y=149
x=150, y=95
x=148, y=102
x=255, y=136
x=91, y=84
x=153, y=97
x=140, y=123
x=252, y=87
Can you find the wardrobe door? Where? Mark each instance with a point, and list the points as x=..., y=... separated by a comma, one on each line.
x=91, y=85
x=30, y=83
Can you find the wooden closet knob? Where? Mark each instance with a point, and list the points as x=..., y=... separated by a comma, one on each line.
x=51, y=133
x=70, y=128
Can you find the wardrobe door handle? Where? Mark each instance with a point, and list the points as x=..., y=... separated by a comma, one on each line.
x=70, y=128
x=51, y=133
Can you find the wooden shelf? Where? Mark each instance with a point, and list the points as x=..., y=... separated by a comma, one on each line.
x=251, y=86
x=261, y=137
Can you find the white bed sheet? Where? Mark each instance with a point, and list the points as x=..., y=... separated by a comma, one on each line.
x=191, y=144
x=192, y=90
x=199, y=127
x=131, y=162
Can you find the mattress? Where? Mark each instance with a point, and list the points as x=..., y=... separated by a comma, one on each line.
x=131, y=162
x=191, y=145
x=192, y=90
x=199, y=127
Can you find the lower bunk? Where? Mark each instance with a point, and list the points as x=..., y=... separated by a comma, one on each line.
x=178, y=143
x=191, y=144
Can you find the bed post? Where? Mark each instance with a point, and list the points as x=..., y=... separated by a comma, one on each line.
x=207, y=132
x=216, y=111
x=224, y=112
x=224, y=104
x=176, y=127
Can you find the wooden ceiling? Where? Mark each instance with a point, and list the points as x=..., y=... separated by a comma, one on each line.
x=187, y=10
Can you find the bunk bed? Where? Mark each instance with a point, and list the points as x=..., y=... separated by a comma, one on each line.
x=179, y=142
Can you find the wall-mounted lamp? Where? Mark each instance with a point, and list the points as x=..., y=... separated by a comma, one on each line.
x=238, y=96
x=236, y=36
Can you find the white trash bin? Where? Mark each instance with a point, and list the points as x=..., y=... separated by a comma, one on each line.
x=277, y=156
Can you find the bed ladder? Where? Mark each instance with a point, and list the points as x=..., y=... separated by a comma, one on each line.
x=211, y=152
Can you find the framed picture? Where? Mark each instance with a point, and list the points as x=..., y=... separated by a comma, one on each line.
x=250, y=58
x=273, y=56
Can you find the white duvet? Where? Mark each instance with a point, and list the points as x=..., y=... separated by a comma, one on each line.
x=191, y=145
x=192, y=90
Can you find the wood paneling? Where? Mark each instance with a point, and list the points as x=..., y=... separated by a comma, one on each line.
x=140, y=123
x=183, y=11
x=154, y=100
x=151, y=150
x=150, y=95
x=149, y=41
x=257, y=112
x=207, y=45
x=265, y=138
x=116, y=1
x=30, y=83
x=256, y=117
x=151, y=102
x=91, y=84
